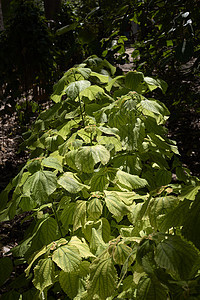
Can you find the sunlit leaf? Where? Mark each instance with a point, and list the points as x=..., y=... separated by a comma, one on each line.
x=70, y=183
x=88, y=156
x=67, y=258
x=40, y=185
x=44, y=274
x=103, y=279
x=74, y=88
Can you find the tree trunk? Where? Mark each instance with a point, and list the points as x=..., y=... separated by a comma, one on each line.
x=52, y=8
x=1, y=18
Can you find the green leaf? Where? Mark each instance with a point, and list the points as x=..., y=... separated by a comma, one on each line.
x=99, y=180
x=189, y=192
x=177, y=256
x=82, y=246
x=94, y=208
x=163, y=177
x=36, y=256
x=122, y=253
x=149, y=289
x=101, y=77
x=114, y=82
x=44, y=274
x=67, y=215
x=130, y=181
x=6, y=268
x=133, y=81
x=97, y=243
x=115, y=205
x=52, y=162
x=70, y=183
x=91, y=92
x=69, y=283
x=154, y=106
x=88, y=156
x=79, y=215
x=156, y=83
x=67, y=258
x=48, y=232
x=40, y=185
x=109, y=142
x=74, y=88
x=103, y=279
x=159, y=207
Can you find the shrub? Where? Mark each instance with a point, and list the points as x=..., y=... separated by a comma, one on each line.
x=109, y=217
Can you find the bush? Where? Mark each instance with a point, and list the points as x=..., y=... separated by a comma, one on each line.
x=107, y=212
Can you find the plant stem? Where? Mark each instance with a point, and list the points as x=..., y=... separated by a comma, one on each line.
x=56, y=218
x=79, y=99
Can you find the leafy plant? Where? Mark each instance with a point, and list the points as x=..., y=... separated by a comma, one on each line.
x=107, y=218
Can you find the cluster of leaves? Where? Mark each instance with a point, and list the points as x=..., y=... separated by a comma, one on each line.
x=168, y=38
x=106, y=219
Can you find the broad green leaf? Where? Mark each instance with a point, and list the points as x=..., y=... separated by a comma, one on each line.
x=99, y=180
x=110, y=141
x=52, y=162
x=102, y=78
x=40, y=185
x=74, y=88
x=44, y=274
x=159, y=207
x=153, y=106
x=114, y=82
x=156, y=83
x=36, y=256
x=47, y=232
x=176, y=217
x=67, y=258
x=82, y=246
x=130, y=181
x=151, y=289
x=69, y=283
x=33, y=166
x=79, y=215
x=88, y=156
x=103, y=279
x=70, y=159
x=130, y=163
x=67, y=215
x=71, y=183
x=189, y=192
x=59, y=89
x=85, y=72
x=123, y=253
x=53, y=142
x=6, y=268
x=163, y=177
x=177, y=256
x=91, y=92
x=65, y=130
x=115, y=205
x=97, y=244
x=94, y=208
x=133, y=81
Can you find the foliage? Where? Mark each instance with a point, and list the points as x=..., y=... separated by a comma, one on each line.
x=107, y=219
